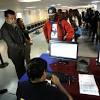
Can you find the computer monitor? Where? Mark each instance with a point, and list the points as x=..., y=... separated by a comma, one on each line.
x=98, y=59
x=63, y=50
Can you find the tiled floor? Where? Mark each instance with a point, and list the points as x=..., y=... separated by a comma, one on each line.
x=8, y=78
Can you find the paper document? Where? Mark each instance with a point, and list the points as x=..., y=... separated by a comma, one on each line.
x=88, y=85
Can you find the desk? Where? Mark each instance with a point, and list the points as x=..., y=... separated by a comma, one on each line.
x=70, y=69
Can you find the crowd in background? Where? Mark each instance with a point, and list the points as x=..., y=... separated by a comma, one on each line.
x=88, y=20
x=91, y=21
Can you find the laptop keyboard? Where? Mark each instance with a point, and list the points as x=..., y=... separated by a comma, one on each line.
x=62, y=77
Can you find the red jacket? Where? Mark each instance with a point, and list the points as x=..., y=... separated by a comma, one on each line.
x=66, y=26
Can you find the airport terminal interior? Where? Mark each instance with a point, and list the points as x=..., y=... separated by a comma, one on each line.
x=35, y=12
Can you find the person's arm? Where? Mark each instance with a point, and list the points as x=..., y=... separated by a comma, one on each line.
x=56, y=81
x=7, y=37
x=11, y=42
x=68, y=28
x=98, y=27
x=45, y=32
x=19, y=92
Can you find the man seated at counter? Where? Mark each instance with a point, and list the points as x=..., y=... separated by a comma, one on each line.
x=37, y=88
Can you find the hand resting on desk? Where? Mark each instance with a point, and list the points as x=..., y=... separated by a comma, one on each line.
x=57, y=82
x=67, y=79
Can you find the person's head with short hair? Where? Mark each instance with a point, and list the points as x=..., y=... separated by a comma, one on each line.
x=59, y=11
x=7, y=12
x=60, y=14
x=19, y=20
x=20, y=23
x=37, y=69
x=10, y=16
x=52, y=13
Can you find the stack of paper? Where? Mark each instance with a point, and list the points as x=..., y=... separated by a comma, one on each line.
x=88, y=85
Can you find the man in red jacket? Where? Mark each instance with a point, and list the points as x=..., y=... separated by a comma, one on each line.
x=55, y=29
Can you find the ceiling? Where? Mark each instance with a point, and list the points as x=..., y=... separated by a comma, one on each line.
x=43, y=4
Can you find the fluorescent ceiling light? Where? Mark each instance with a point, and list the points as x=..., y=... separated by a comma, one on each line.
x=28, y=0
x=31, y=7
x=64, y=6
x=2, y=10
x=19, y=15
x=95, y=1
x=95, y=6
x=26, y=9
x=53, y=5
x=58, y=4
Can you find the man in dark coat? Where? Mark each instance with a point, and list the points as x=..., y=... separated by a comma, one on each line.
x=15, y=41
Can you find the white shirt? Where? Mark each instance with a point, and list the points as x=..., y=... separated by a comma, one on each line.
x=54, y=34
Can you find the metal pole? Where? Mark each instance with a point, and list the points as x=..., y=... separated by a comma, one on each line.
x=2, y=62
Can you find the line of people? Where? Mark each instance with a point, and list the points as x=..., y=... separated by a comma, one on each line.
x=70, y=24
x=91, y=20
x=63, y=26
x=57, y=28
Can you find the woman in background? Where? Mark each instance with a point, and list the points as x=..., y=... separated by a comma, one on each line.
x=27, y=38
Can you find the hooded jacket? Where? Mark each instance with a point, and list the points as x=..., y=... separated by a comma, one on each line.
x=64, y=30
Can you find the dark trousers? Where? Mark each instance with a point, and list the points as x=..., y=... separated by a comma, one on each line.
x=76, y=37
x=19, y=66
x=27, y=53
x=1, y=59
x=94, y=33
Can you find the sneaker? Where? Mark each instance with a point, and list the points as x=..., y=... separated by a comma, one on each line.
x=3, y=91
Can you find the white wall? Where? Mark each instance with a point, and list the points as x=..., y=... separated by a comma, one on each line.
x=32, y=16
x=29, y=16
x=98, y=7
x=1, y=18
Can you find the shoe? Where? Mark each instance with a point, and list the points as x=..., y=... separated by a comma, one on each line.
x=4, y=65
x=3, y=91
